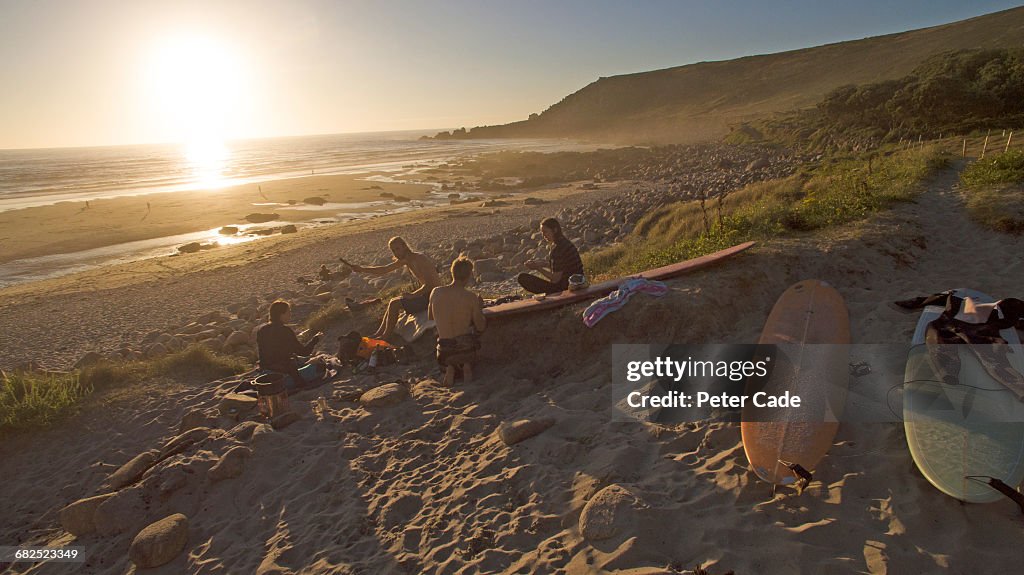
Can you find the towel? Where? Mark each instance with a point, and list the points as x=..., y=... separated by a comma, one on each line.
x=596, y=311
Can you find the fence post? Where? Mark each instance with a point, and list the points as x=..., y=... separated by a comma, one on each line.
x=1008, y=138
x=963, y=154
x=983, y=148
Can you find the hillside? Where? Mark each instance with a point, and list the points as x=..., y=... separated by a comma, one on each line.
x=699, y=101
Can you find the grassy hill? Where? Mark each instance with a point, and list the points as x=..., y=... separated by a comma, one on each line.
x=700, y=101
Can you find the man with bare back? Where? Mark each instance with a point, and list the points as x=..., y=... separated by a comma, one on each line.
x=459, y=316
x=422, y=268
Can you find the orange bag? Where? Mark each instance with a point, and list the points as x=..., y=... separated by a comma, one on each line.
x=367, y=345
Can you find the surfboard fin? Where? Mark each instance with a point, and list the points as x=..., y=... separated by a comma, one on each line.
x=1000, y=486
x=805, y=477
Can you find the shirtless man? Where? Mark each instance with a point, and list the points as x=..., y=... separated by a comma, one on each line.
x=421, y=267
x=459, y=315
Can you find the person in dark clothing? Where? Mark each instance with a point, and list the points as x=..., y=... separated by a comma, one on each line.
x=280, y=350
x=565, y=262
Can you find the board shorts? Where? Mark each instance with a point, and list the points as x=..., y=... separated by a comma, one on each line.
x=413, y=304
x=457, y=351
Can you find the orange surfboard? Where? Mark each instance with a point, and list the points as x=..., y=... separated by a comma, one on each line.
x=809, y=326
x=604, y=288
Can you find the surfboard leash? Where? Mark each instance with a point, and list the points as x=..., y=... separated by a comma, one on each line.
x=803, y=476
x=1000, y=486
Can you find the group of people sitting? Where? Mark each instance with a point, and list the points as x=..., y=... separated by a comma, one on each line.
x=456, y=310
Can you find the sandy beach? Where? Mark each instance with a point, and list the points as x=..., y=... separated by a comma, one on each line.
x=421, y=480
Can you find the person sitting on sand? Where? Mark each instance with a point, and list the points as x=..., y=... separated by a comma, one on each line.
x=324, y=273
x=422, y=268
x=459, y=316
x=565, y=262
x=280, y=350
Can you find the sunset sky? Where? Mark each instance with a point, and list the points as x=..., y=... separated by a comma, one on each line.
x=102, y=72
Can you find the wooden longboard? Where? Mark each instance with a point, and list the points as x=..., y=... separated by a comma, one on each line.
x=606, y=287
x=965, y=429
x=807, y=315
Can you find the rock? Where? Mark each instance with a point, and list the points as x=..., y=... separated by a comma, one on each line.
x=758, y=164
x=174, y=479
x=384, y=395
x=489, y=265
x=324, y=297
x=516, y=431
x=534, y=201
x=190, y=248
x=257, y=218
x=591, y=237
x=156, y=350
x=493, y=277
x=192, y=419
x=314, y=201
x=78, y=518
x=160, y=542
x=284, y=420
x=130, y=472
x=289, y=229
x=185, y=440
x=609, y=512
x=248, y=313
x=230, y=464
x=245, y=430
x=212, y=344
x=228, y=230
x=237, y=338
x=121, y=512
x=236, y=404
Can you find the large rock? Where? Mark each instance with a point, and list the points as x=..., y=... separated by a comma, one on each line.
x=190, y=248
x=513, y=432
x=314, y=201
x=257, y=218
x=230, y=464
x=185, y=440
x=609, y=512
x=485, y=266
x=289, y=229
x=237, y=338
x=131, y=472
x=384, y=395
x=79, y=517
x=121, y=512
x=234, y=404
x=160, y=542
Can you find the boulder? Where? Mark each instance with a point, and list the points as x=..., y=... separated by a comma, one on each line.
x=257, y=218
x=289, y=229
x=245, y=430
x=185, y=440
x=78, y=518
x=160, y=542
x=384, y=395
x=131, y=471
x=190, y=248
x=610, y=512
x=121, y=512
x=513, y=432
x=230, y=464
x=237, y=338
x=236, y=404
x=228, y=230
x=156, y=350
x=489, y=265
x=314, y=201
x=192, y=419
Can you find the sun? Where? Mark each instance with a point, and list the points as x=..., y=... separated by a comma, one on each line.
x=197, y=82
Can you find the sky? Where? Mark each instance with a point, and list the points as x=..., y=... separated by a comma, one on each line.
x=98, y=72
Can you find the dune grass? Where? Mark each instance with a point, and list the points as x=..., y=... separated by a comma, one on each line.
x=839, y=191
x=994, y=191
x=36, y=399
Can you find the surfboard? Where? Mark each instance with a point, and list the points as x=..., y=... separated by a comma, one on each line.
x=809, y=325
x=965, y=429
x=604, y=288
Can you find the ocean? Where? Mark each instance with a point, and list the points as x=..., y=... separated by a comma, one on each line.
x=46, y=176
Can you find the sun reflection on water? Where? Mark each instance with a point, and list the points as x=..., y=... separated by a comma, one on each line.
x=207, y=160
